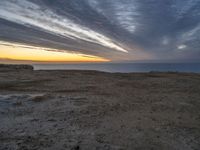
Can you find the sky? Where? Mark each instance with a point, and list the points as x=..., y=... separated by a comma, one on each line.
x=100, y=30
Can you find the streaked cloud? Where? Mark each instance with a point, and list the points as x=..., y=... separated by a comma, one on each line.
x=113, y=29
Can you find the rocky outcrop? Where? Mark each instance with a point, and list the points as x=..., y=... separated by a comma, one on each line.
x=4, y=67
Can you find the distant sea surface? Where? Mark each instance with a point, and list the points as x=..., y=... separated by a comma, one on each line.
x=124, y=67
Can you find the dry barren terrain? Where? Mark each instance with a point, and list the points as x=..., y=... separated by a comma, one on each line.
x=90, y=110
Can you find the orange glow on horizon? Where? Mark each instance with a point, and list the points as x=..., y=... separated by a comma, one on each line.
x=27, y=53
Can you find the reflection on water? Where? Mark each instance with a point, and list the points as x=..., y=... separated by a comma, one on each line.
x=124, y=67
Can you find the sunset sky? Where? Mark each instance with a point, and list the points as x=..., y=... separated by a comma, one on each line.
x=39, y=54
x=99, y=30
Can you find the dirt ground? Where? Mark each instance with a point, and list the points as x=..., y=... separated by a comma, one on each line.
x=90, y=110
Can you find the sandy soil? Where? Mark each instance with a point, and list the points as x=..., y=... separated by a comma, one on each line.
x=89, y=110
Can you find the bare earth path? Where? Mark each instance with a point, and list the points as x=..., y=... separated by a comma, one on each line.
x=89, y=110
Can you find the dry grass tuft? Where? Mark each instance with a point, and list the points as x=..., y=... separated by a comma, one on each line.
x=41, y=98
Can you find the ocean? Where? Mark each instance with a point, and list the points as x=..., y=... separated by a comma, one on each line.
x=124, y=67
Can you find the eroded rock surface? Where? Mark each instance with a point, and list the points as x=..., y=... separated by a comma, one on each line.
x=89, y=110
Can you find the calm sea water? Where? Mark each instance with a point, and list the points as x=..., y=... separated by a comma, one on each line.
x=124, y=67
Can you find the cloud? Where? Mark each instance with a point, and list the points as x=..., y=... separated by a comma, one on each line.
x=29, y=14
x=113, y=29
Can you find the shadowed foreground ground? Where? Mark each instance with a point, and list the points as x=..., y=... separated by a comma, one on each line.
x=89, y=110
